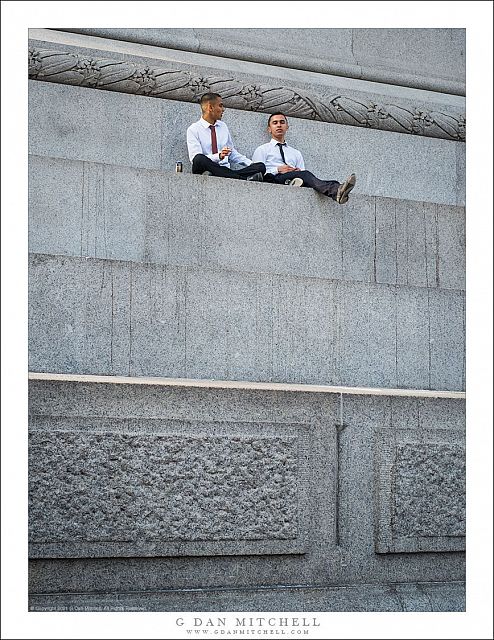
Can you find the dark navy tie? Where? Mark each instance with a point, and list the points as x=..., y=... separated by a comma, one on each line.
x=280, y=145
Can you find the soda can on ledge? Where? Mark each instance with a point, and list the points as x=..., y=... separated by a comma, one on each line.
x=179, y=167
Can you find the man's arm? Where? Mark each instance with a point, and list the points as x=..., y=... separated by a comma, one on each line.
x=285, y=168
x=194, y=146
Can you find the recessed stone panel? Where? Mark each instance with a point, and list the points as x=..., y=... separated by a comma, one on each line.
x=418, y=472
x=420, y=491
x=111, y=487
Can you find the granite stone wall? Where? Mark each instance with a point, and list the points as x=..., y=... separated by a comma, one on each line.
x=149, y=494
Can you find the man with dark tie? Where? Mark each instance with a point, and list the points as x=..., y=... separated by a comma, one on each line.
x=211, y=148
x=285, y=165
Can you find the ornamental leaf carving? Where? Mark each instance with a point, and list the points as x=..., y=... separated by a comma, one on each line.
x=167, y=81
x=34, y=63
x=350, y=111
x=445, y=123
x=57, y=64
x=117, y=72
x=403, y=118
x=135, y=78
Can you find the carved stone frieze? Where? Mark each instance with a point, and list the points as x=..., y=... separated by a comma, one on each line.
x=139, y=79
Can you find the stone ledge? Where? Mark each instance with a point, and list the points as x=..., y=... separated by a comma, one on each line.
x=246, y=385
x=79, y=123
x=119, y=213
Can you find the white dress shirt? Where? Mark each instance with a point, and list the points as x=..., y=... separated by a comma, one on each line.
x=199, y=141
x=270, y=154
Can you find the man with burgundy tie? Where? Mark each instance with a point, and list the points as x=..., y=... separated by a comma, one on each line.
x=211, y=148
x=285, y=165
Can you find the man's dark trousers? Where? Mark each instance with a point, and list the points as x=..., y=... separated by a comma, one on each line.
x=327, y=187
x=202, y=163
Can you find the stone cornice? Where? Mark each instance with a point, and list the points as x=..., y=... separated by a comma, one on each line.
x=141, y=79
x=435, y=57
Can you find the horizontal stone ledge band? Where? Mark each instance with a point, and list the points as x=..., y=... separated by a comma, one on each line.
x=171, y=84
x=245, y=384
x=200, y=42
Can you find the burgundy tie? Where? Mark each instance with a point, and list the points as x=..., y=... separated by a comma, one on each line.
x=214, y=142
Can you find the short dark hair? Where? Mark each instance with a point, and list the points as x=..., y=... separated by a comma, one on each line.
x=278, y=113
x=209, y=97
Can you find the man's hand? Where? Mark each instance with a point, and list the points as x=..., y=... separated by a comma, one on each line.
x=285, y=168
x=225, y=152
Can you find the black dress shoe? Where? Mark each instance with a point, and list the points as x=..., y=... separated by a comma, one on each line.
x=257, y=177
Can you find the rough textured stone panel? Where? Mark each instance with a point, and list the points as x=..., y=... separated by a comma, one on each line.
x=106, y=487
x=336, y=556
x=429, y=498
x=142, y=492
x=420, y=490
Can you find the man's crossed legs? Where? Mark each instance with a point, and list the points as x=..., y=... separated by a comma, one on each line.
x=331, y=188
x=202, y=163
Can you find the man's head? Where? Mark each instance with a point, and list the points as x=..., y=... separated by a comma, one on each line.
x=212, y=107
x=278, y=126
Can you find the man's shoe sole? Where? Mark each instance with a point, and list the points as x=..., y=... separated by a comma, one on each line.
x=296, y=182
x=345, y=188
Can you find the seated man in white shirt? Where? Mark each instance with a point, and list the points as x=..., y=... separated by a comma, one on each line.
x=285, y=165
x=211, y=148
